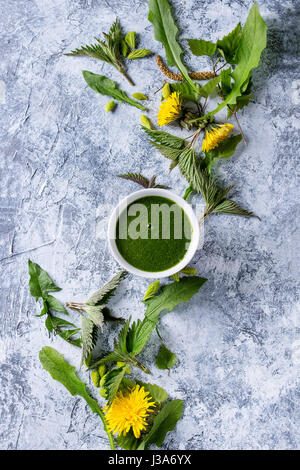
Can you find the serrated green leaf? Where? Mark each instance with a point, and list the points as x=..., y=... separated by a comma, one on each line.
x=152, y=289
x=40, y=282
x=209, y=87
x=102, y=296
x=224, y=150
x=165, y=138
x=252, y=42
x=165, y=358
x=107, y=87
x=95, y=314
x=110, y=357
x=122, y=346
x=112, y=382
x=138, y=54
x=164, y=422
x=166, y=151
x=165, y=31
x=201, y=47
x=229, y=44
x=231, y=207
x=130, y=39
x=88, y=337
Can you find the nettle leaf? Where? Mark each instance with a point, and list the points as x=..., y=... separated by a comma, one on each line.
x=165, y=138
x=122, y=345
x=209, y=87
x=113, y=380
x=188, y=164
x=166, y=31
x=229, y=44
x=89, y=338
x=223, y=150
x=95, y=314
x=108, y=358
x=136, y=178
x=40, y=282
x=107, y=87
x=231, y=207
x=152, y=289
x=138, y=54
x=165, y=358
x=101, y=296
x=158, y=394
x=186, y=91
x=166, y=151
x=63, y=372
x=164, y=422
x=130, y=39
x=201, y=47
x=252, y=42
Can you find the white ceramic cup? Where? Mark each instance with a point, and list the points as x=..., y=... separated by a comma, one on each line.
x=111, y=233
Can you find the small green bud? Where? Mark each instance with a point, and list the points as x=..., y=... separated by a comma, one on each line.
x=110, y=106
x=88, y=360
x=140, y=96
x=189, y=271
x=166, y=91
x=122, y=364
x=102, y=392
x=102, y=370
x=95, y=377
x=175, y=277
x=145, y=121
x=102, y=380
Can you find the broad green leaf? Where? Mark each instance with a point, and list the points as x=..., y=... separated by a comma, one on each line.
x=165, y=358
x=105, y=86
x=165, y=31
x=138, y=54
x=226, y=81
x=209, y=87
x=63, y=372
x=40, y=282
x=152, y=289
x=252, y=42
x=170, y=296
x=130, y=39
x=112, y=382
x=200, y=47
x=224, y=150
x=55, y=304
x=186, y=91
x=229, y=44
x=164, y=422
x=158, y=394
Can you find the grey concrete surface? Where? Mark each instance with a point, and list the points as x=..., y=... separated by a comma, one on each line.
x=238, y=340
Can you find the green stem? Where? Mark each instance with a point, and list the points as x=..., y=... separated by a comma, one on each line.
x=110, y=438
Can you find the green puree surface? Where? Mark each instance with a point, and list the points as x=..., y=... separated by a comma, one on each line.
x=155, y=253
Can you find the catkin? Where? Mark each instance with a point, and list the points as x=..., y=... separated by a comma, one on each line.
x=178, y=76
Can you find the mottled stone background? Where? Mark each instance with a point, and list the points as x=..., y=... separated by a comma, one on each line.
x=60, y=153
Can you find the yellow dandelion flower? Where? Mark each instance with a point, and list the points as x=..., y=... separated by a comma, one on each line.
x=129, y=411
x=214, y=135
x=170, y=109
